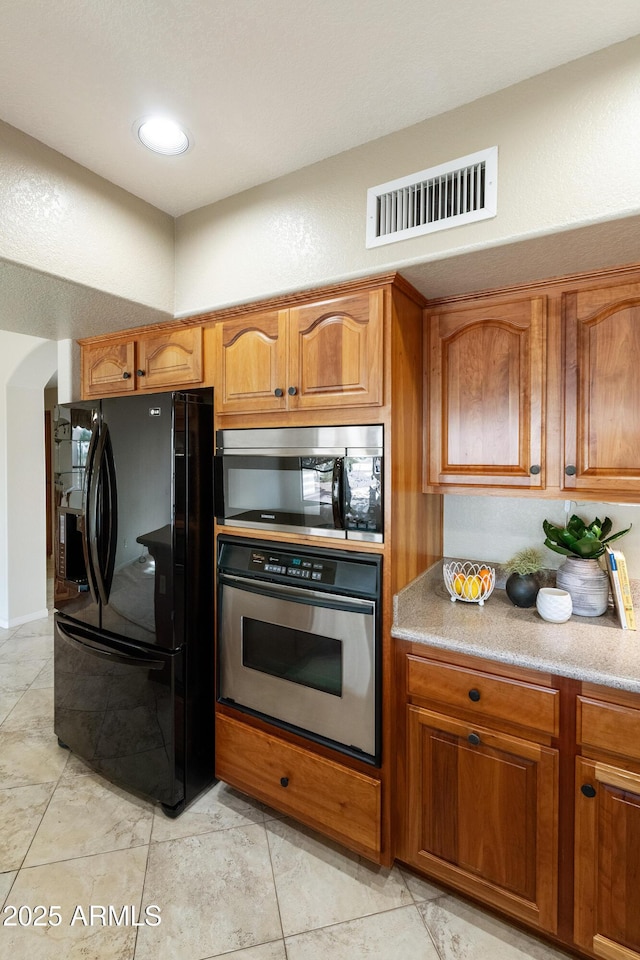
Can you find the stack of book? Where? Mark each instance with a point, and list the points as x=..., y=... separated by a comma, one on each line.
x=621, y=589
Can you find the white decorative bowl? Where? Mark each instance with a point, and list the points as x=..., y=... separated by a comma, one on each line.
x=554, y=605
x=464, y=582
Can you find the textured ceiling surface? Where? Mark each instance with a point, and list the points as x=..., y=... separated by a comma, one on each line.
x=267, y=86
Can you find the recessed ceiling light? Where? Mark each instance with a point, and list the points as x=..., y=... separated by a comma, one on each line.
x=162, y=136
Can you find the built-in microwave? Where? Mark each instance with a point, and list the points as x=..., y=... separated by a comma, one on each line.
x=326, y=481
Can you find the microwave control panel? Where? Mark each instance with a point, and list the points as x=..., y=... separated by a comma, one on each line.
x=305, y=568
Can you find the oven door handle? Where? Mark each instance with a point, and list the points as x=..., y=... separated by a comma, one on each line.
x=314, y=598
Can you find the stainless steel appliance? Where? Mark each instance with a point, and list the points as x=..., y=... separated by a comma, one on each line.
x=318, y=480
x=133, y=647
x=298, y=640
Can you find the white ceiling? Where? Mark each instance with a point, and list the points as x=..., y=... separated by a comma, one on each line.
x=267, y=86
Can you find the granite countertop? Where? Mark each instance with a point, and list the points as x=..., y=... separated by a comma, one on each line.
x=592, y=649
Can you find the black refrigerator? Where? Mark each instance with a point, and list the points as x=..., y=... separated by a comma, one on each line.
x=133, y=643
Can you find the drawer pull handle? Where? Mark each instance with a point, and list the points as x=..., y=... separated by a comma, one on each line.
x=474, y=739
x=474, y=695
x=278, y=392
x=588, y=790
x=292, y=391
x=284, y=781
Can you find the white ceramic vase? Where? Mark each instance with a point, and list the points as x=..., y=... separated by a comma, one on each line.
x=588, y=585
x=554, y=605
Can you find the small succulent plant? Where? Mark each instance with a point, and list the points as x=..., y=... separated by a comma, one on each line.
x=525, y=561
x=581, y=540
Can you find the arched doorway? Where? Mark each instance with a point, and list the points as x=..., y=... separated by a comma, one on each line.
x=26, y=366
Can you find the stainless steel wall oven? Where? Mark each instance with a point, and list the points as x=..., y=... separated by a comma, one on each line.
x=299, y=640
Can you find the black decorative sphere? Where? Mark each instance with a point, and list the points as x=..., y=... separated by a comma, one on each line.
x=522, y=589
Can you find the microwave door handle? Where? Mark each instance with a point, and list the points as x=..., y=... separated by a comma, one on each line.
x=337, y=493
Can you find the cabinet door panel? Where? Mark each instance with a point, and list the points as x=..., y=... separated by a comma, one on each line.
x=170, y=359
x=251, y=356
x=497, y=816
x=607, y=919
x=602, y=358
x=482, y=815
x=108, y=369
x=486, y=394
x=335, y=352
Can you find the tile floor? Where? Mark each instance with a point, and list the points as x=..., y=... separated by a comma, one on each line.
x=229, y=877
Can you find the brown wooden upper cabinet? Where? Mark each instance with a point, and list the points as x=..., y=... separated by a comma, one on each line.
x=158, y=360
x=602, y=390
x=312, y=356
x=486, y=368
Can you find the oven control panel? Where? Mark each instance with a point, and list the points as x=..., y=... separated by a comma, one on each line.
x=304, y=568
x=338, y=572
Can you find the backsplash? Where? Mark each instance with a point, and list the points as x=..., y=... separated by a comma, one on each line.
x=492, y=529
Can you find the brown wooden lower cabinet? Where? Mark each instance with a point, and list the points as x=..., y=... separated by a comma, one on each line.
x=607, y=879
x=483, y=814
x=533, y=812
x=339, y=802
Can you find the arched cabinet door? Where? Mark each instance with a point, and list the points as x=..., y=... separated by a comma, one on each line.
x=486, y=368
x=169, y=359
x=157, y=360
x=251, y=358
x=108, y=368
x=335, y=352
x=602, y=391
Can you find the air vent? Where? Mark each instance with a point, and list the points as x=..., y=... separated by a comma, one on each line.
x=449, y=195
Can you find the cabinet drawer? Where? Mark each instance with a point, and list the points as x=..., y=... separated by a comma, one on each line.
x=343, y=803
x=485, y=696
x=608, y=726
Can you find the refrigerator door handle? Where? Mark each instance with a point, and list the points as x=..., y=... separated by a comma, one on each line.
x=93, y=519
x=88, y=520
x=111, y=531
x=107, y=653
x=103, y=515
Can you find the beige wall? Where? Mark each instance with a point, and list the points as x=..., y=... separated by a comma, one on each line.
x=57, y=217
x=568, y=157
x=492, y=529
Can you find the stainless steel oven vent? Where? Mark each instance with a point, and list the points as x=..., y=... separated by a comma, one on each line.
x=457, y=192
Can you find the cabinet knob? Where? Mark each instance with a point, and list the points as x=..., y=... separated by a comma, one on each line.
x=570, y=470
x=535, y=469
x=474, y=695
x=278, y=392
x=292, y=391
x=474, y=739
x=284, y=781
x=588, y=790
x=126, y=375
x=139, y=373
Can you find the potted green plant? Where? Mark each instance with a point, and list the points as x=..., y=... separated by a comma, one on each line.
x=581, y=574
x=523, y=582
